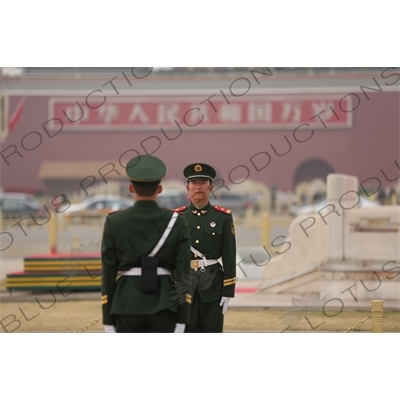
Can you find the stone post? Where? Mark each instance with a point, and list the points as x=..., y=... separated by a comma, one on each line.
x=342, y=195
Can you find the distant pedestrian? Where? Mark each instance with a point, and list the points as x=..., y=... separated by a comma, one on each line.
x=382, y=196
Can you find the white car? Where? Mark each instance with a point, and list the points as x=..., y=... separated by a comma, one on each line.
x=98, y=205
x=318, y=206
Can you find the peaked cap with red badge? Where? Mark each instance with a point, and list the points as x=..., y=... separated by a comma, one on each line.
x=199, y=171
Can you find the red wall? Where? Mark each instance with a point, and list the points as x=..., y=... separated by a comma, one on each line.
x=369, y=146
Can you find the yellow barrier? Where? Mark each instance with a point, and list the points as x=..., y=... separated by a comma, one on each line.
x=265, y=230
x=376, y=315
x=53, y=234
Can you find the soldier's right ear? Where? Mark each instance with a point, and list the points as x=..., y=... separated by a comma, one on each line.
x=131, y=190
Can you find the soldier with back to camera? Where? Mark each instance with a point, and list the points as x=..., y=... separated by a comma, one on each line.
x=145, y=251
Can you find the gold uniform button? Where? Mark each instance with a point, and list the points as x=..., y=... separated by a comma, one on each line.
x=198, y=214
x=197, y=241
x=198, y=226
x=213, y=233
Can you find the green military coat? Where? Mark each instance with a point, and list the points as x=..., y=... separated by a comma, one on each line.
x=127, y=236
x=212, y=234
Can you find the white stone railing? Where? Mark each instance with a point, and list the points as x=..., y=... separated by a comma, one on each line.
x=372, y=234
x=341, y=234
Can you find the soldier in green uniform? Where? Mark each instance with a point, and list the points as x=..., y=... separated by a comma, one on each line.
x=213, y=246
x=145, y=251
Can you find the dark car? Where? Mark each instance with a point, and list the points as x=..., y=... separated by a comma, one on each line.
x=20, y=205
x=171, y=199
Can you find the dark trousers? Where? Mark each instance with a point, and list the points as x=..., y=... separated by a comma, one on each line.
x=162, y=322
x=205, y=317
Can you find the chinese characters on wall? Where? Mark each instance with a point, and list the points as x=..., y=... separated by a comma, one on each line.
x=152, y=113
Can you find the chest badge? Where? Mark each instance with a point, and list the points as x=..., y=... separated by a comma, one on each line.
x=213, y=224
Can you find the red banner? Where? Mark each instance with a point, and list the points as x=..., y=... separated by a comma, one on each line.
x=263, y=112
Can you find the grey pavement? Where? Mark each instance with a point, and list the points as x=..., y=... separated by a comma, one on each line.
x=246, y=296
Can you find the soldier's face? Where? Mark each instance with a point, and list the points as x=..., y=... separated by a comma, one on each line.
x=199, y=190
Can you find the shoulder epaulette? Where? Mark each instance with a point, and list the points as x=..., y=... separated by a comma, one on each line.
x=180, y=209
x=222, y=209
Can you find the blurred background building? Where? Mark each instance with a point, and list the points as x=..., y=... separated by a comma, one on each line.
x=69, y=130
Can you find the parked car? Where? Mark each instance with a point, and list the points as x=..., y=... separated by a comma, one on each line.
x=171, y=199
x=318, y=206
x=98, y=205
x=237, y=202
x=20, y=205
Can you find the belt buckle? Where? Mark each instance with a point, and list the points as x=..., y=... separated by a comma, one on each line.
x=195, y=264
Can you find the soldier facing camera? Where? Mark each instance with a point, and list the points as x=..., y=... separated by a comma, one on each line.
x=213, y=247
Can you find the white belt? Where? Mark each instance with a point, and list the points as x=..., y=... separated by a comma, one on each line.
x=202, y=264
x=137, y=271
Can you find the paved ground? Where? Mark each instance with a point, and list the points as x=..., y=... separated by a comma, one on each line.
x=248, y=277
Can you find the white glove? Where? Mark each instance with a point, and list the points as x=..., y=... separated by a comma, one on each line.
x=224, y=303
x=109, y=328
x=179, y=328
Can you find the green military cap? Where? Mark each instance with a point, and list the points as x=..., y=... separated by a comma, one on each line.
x=145, y=168
x=199, y=171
